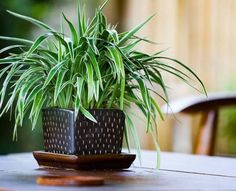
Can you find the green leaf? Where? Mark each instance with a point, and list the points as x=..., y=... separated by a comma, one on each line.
x=114, y=35
x=19, y=40
x=11, y=99
x=14, y=138
x=77, y=107
x=157, y=108
x=126, y=134
x=63, y=41
x=32, y=94
x=37, y=43
x=129, y=47
x=30, y=19
x=96, y=90
x=134, y=99
x=4, y=70
x=20, y=104
x=52, y=73
x=93, y=60
x=81, y=21
x=130, y=33
x=89, y=70
x=134, y=134
x=73, y=31
x=9, y=60
x=188, y=69
x=144, y=92
x=10, y=48
x=60, y=78
x=87, y=114
x=104, y=5
x=172, y=68
x=158, y=149
x=15, y=68
x=148, y=123
x=50, y=56
x=118, y=61
x=114, y=95
x=25, y=88
x=38, y=107
x=122, y=93
x=80, y=87
x=156, y=77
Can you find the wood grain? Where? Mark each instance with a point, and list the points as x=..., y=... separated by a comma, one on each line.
x=178, y=172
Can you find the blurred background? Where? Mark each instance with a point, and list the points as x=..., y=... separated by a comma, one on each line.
x=202, y=34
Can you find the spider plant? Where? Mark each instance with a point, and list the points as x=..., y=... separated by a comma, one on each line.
x=92, y=67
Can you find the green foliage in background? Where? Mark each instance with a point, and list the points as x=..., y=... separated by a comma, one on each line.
x=227, y=131
x=12, y=26
x=226, y=136
x=92, y=67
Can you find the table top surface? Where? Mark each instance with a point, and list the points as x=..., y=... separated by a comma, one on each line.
x=177, y=172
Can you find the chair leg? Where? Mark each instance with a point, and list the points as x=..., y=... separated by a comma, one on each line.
x=207, y=134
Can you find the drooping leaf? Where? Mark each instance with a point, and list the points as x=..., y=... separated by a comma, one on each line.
x=18, y=40
x=11, y=47
x=87, y=114
x=52, y=73
x=133, y=131
x=9, y=76
x=32, y=20
x=188, y=69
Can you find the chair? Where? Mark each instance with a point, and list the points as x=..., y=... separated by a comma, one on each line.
x=209, y=108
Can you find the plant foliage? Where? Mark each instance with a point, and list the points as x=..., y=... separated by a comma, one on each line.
x=92, y=67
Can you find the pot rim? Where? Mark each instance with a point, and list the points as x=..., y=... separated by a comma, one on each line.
x=72, y=110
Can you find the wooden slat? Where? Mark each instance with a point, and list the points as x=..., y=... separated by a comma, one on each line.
x=207, y=133
x=188, y=163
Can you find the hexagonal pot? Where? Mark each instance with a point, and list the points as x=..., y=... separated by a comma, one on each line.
x=65, y=135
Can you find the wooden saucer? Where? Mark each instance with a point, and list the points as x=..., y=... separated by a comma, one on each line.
x=86, y=162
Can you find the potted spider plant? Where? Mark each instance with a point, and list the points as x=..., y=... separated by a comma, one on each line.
x=84, y=83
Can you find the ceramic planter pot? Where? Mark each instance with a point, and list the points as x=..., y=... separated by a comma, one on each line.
x=64, y=135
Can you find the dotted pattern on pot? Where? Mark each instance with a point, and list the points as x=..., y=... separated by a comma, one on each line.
x=102, y=137
x=58, y=127
x=83, y=137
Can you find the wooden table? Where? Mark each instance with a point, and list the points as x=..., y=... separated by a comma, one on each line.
x=178, y=172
